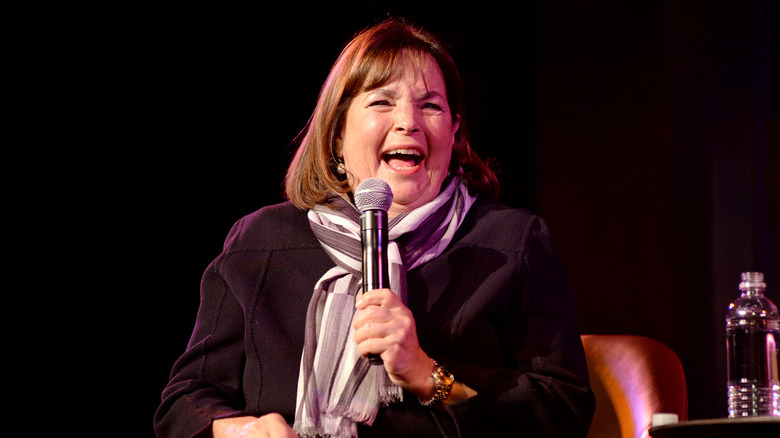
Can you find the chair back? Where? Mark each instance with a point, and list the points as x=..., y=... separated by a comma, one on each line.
x=632, y=377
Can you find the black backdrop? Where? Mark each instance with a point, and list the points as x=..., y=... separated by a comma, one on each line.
x=646, y=133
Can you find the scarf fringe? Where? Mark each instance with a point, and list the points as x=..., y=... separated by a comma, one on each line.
x=388, y=396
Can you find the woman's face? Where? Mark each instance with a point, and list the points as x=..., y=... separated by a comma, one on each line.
x=403, y=133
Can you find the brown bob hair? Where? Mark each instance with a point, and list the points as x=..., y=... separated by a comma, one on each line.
x=367, y=62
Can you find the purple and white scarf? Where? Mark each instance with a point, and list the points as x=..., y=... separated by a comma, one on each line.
x=337, y=388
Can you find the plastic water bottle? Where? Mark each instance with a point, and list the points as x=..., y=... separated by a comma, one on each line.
x=752, y=337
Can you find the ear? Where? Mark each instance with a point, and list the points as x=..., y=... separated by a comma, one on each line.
x=455, y=125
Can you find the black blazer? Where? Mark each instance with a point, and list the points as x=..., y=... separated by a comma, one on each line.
x=495, y=308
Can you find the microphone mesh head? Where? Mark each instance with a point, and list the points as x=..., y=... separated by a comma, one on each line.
x=373, y=194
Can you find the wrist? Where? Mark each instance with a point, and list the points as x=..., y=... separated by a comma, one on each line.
x=443, y=381
x=419, y=381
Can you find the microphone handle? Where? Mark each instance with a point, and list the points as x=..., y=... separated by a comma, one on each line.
x=373, y=226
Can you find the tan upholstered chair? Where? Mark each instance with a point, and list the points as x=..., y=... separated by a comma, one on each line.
x=632, y=377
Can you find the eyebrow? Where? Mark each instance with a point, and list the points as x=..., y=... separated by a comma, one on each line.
x=389, y=93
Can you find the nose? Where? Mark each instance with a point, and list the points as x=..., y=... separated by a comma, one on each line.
x=406, y=119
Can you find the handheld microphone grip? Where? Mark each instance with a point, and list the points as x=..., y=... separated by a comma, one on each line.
x=373, y=226
x=373, y=198
x=373, y=233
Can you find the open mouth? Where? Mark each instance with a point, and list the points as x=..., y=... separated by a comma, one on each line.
x=403, y=159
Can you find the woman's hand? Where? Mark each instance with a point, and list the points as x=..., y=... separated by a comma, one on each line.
x=268, y=426
x=385, y=326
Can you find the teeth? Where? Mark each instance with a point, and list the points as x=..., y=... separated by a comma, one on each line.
x=414, y=152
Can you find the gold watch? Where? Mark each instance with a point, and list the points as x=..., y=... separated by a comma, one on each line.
x=444, y=380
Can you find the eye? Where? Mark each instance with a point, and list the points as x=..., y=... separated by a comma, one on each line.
x=380, y=103
x=432, y=106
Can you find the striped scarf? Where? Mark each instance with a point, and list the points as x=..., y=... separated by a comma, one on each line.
x=337, y=388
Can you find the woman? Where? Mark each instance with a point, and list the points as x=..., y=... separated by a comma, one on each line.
x=477, y=333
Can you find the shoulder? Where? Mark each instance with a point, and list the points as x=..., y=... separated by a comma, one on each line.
x=486, y=209
x=493, y=224
x=274, y=227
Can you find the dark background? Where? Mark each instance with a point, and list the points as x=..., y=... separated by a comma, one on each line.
x=646, y=133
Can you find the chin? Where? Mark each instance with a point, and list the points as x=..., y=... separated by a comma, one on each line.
x=413, y=192
x=411, y=198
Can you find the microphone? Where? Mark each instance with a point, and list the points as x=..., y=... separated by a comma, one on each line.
x=373, y=198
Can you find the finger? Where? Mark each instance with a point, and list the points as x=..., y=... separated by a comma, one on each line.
x=371, y=322
x=372, y=345
x=376, y=297
x=368, y=329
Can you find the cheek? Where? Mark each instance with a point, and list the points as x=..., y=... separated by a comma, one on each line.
x=352, y=138
x=442, y=147
x=359, y=159
x=362, y=132
x=441, y=156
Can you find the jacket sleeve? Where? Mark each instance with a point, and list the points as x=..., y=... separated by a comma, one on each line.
x=544, y=388
x=205, y=382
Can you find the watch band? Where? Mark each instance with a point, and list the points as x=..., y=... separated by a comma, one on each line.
x=444, y=380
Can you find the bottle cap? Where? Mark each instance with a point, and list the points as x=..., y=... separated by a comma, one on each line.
x=662, y=419
x=752, y=280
